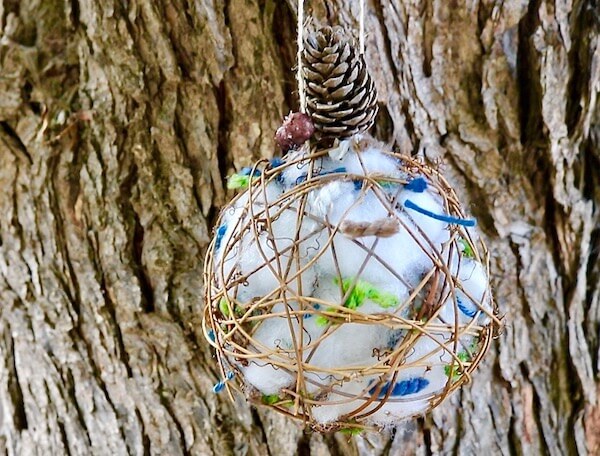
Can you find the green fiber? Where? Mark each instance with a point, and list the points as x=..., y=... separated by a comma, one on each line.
x=270, y=399
x=364, y=290
x=238, y=181
x=467, y=251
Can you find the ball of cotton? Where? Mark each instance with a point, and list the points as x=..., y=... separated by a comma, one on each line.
x=287, y=241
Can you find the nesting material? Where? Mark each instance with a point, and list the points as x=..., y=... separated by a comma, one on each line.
x=346, y=288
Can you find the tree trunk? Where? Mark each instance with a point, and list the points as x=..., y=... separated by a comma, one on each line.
x=119, y=121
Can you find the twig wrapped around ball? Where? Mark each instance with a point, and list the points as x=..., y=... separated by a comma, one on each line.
x=348, y=291
x=345, y=286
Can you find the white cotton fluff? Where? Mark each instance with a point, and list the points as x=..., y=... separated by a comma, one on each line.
x=436, y=231
x=300, y=168
x=343, y=346
x=348, y=345
x=365, y=394
x=266, y=378
x=344, y=399
x=423, y=375
x=339, y=150
x=433, y=348
x=236, y=219
x=411, y=391
x=273, y=334
x=372, y=162
x=395, y=260
x=388, y=297
x=475, y=293
x=394, y=411
x=430, y=360
x=442, y=341
x=264, y=276
x=265, y=254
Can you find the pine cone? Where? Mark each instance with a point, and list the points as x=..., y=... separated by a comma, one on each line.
x=341, y=96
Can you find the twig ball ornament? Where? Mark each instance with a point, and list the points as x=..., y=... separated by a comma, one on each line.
x=345, y=286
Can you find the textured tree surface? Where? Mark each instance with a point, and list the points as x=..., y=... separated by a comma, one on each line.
x=119, y=121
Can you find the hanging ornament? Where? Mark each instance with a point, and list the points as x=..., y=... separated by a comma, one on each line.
x=345, y=286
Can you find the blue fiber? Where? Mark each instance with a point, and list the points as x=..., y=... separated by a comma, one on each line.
x=468, y=311
x=402, y=388
x=442, y=218
x=220, y=233
x=417, y=185
x=246, y=171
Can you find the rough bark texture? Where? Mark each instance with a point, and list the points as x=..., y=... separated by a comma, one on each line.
x=118, y=122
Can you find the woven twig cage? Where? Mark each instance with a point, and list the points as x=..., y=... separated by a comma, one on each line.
x=345, y=288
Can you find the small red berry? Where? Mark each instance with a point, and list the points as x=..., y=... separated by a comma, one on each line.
x=297, y=128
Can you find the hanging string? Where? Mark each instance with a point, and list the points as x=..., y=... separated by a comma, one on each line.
x=301, y=90
x=361, y=19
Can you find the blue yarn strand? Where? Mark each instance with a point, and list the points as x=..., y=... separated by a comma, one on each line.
x=303, y=176
x=275, y=162
x=341, y=169
x=465, y=309
x=316, y=307
x=442, y=218
x=417, y=185
x=220, y=233
x=246, y=171
x=218, y=387
x=402, y=388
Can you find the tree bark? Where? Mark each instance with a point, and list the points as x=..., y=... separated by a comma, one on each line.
x=119, y=121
